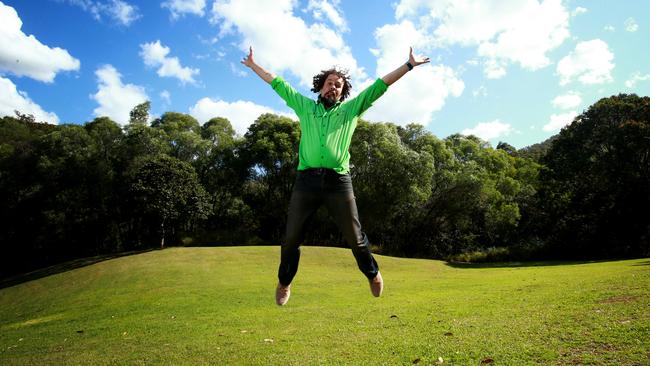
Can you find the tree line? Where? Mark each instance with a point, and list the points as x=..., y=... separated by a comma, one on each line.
x=71, y=190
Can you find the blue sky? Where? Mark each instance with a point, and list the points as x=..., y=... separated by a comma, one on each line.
x=504, y=70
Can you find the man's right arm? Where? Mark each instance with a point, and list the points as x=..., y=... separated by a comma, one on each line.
x=250, y=62
x=294, y=100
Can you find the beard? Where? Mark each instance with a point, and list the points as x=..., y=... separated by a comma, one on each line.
x=327, y=102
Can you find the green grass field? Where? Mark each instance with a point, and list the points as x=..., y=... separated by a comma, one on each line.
x=215, y=306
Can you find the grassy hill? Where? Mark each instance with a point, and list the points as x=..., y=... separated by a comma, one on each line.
x=216, y=306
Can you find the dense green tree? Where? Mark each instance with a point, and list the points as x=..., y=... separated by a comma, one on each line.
x=67, y=176
x=25, y=117
x=219, y=132
x=219, y=167
x=598, y=180
x=528, y=236
x=168, y=196
x=475, y=197
x=391, y=183
x=183, y=134
x=509, y=149
x=270, y=154
x=142, y=140
x=20, y=193
x=224, y=175
x=536, y=152
x=140, y=113
x=107, y=135
x=104, y=177
x=71, y=190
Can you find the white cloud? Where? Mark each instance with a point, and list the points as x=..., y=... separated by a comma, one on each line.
x=636, y=77
x=125, y=13
x=504, y=31
x=481, y=91
x=408, y=8
x=166, y=97
x=155, y=54
x=494, y=69
x=421, y=92
x=393, y=41
x=282, y=41
x=320, y=7
x=567, y=101
x=24, y=55
x=16, y=100
x=630, y=25
x=579, y=10
x=591, y=63
x=559, y=120
x=609, y=28
x=489, y=130
x=415, y=98
x=179, y=8
x=116, y=99
x=118, y=10
x=237, y=70
x=537, y=30
x=241, y=114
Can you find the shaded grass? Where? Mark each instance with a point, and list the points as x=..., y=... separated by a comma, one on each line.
x=17, y=279
x=216, y=306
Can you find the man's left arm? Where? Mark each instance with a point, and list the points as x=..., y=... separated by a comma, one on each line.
x=396, y=74
x=364, y=100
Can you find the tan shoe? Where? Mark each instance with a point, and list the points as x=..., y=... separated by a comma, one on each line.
x=377, y=285
x=282, y=294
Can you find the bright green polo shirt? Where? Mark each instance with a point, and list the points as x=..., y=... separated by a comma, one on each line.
x=325, y=135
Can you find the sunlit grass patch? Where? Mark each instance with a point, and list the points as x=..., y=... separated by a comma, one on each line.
x=216, y=306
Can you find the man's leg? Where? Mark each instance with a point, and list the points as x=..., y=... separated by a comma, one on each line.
x=343, y=208
x=301, y=207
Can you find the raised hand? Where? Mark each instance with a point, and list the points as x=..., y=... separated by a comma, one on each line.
x=416, y=60
x=402, y=69
x=248, y=60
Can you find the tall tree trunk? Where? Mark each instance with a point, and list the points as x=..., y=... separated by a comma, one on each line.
x=162, y=236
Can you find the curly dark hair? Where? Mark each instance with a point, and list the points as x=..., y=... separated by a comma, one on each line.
x=319, y=81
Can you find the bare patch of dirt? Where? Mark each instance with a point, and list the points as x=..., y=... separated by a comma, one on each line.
x=625, y=299
x=576, y=356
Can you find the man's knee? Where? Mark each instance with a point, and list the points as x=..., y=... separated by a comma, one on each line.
x=359, y=242
x=292, y=240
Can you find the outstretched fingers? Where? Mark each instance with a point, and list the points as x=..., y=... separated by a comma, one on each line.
x=248, y=59
x=417, y=60
x=422, y=60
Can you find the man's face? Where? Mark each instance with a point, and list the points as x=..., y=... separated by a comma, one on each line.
x=332, y=88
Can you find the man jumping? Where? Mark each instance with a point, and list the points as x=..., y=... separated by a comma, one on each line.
x=323, y=178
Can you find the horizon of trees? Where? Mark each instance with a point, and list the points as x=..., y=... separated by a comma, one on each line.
x=71, y=191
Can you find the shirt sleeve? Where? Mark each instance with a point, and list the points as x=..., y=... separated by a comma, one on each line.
x=364, y=100
x=294, y=100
